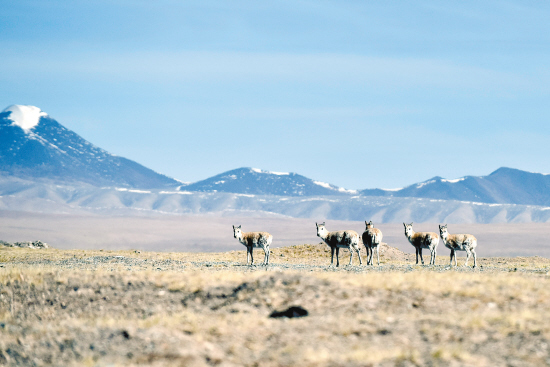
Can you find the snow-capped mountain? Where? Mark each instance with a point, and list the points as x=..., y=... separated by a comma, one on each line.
x=503, y=186
x=253, y=181
x=39, y=196
x=34, y=145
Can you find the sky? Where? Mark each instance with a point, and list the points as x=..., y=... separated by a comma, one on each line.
x=360, y=94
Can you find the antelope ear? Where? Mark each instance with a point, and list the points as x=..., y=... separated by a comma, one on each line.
x=233, y=226
x=370, y=222
x=323, y=223
x=404, y=225
x=366, y=223
x=239, y=227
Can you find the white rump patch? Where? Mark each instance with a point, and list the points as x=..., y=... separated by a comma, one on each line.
x=26, y=117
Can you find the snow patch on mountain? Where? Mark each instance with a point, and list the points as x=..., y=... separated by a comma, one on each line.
x=424, y=184
x=323, y=184
x=347, y=191
x=26, y=117
x=453, y=181
x=257, y=170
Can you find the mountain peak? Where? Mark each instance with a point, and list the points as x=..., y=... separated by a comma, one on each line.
x=504, y=170
x=33, y=145
x=24, y=116
x=254, y=181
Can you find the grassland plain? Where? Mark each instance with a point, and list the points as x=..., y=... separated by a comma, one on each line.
x=136, y=308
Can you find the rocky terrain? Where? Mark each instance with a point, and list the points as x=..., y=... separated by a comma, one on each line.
x=97, y=308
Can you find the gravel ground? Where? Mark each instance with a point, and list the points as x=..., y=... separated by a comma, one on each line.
x=119, y=262
x=147, y=309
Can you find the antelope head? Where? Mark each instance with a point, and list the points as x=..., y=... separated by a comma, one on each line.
x=408, y=229
x=237, y=233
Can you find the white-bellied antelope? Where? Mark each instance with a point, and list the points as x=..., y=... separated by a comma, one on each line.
x=459, y=242
x=254, y=239
x=421, y=240
x=372, y=238
x=339, y=239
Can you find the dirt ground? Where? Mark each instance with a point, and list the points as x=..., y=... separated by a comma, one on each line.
x=136, y=308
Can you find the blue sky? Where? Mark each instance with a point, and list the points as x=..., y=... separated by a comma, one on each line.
x=358, y=94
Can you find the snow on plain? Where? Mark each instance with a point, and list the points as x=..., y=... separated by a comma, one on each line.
x=135, y=191
x=26, y=117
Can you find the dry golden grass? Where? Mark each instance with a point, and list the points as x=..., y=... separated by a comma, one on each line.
x=425, y=315
x=309, y=254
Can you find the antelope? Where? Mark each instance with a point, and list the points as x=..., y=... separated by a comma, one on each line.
x=339, y=239
x=372, y=238
x=254, y=239
x=459, y=242
x=421, y=240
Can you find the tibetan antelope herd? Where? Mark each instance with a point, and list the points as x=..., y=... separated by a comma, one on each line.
x=372, y=239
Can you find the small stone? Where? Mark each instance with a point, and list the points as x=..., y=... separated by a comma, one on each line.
x=291, y=312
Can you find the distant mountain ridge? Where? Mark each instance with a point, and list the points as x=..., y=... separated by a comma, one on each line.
x=43, y=197
x=34, y=145
x=503, y=186
x=253, y=181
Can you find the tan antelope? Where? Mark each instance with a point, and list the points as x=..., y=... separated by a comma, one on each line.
x=339, y=239
x=372, y=238
x=421, y=240
x=254, y=239
x=459, y=242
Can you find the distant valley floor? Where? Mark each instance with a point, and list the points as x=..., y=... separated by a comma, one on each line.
x=213, y=233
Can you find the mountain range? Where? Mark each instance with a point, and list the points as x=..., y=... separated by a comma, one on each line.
x=34, y=145
x=503, y=186
x=253, y=181
x=47, y=167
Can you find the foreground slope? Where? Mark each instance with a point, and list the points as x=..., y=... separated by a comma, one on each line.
x=35, y=146
x=166, y=309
